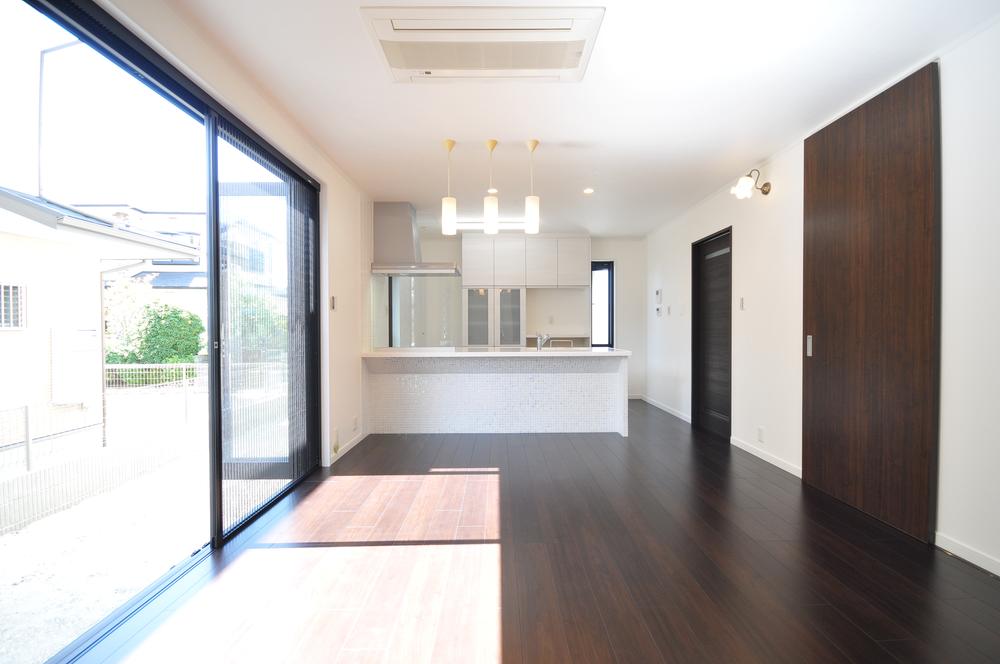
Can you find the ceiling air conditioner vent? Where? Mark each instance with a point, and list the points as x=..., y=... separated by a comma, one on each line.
x=426, y=44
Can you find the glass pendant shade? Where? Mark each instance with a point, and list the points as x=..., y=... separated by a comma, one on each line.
x=531, y=205
x=449, y=215
x=743, y=188
x=491, y=215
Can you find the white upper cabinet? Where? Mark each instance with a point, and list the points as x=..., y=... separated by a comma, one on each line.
x=541, y=261
x=477, y=260
x=535, y=262
x=508, y=261
x=574, y=261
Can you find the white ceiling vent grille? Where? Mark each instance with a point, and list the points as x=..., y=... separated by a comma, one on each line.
x=427, y=44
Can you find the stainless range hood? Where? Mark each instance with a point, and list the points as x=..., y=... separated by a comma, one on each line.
x=397, y=244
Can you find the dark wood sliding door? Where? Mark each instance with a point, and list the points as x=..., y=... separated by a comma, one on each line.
x=871, y=305
x=711, y=333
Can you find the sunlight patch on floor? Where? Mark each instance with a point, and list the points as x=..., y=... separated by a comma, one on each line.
x=386, y=568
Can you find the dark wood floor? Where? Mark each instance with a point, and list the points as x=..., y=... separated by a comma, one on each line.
x=664, y=546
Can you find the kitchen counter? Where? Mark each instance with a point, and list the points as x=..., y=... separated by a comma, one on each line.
x=452, y=351
x=496, y=390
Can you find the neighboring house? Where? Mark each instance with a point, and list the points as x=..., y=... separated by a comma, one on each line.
x=247, y=245
x=179, y=282
x=53, y=263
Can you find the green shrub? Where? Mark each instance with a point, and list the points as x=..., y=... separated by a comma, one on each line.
x=114, y=357
x=169, y=336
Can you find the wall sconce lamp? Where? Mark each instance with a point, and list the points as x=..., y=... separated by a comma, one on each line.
x=745, y=185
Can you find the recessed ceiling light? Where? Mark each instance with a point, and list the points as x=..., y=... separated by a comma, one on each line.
x=588, y=191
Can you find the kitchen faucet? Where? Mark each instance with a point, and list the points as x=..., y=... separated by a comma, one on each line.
x=541, y=340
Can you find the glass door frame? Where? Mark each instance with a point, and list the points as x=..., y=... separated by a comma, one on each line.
x=490, y=317
x=219, y=463
x=498, y=318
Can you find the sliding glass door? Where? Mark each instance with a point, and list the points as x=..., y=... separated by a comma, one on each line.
x=104, y=404
x=267, y=318
x=158, y=326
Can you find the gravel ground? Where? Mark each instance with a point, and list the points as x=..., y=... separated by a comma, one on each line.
x=62, y=574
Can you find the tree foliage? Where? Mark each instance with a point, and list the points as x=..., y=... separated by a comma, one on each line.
x=164, y=335
x=169, y=335
x=125, y=302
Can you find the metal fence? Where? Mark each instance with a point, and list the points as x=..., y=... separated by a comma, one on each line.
x=32, y=432
x=160, y=376
x=150, y=415
x=153, y=418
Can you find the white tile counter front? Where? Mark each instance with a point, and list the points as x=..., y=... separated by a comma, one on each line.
x=509, y=390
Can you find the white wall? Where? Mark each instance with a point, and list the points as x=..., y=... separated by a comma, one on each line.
x=767, y=336
x=346, y=210
x=561, y=312
x=767, y=274
x=968, y=490
x=59, y=306
x=436, y=248
x=629, y=256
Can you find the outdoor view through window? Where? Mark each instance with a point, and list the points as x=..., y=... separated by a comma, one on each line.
x=103, y=311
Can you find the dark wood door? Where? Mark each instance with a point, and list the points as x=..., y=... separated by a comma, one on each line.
x=712, y=341
x=871, y=305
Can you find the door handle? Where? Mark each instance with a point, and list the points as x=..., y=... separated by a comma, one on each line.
x=809, y=345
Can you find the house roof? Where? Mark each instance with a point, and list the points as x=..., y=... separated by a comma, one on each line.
x=52, y=214
x=11, y=195
x=175, y=279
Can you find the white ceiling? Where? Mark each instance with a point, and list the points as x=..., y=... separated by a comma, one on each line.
x=680, y=98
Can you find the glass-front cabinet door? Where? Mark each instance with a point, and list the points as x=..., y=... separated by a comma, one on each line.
x=510, y=317
x=477, y=317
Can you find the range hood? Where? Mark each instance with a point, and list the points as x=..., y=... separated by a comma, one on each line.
x=397, y=244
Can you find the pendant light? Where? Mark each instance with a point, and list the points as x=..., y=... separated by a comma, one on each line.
x=531, y=202
x=491, y=204
x=449, y=206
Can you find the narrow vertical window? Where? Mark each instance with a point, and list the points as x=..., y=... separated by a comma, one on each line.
x=602, y=298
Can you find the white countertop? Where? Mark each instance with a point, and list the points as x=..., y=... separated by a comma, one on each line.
x=496, y=352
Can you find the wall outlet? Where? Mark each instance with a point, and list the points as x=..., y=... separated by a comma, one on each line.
x=760, y=434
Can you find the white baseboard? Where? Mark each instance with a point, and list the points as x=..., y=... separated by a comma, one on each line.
x=973, y=555
x=667, y=409
x=767, y=456
x=346, y=447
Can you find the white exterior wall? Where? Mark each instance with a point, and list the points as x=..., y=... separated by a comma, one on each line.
x=63, y=316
